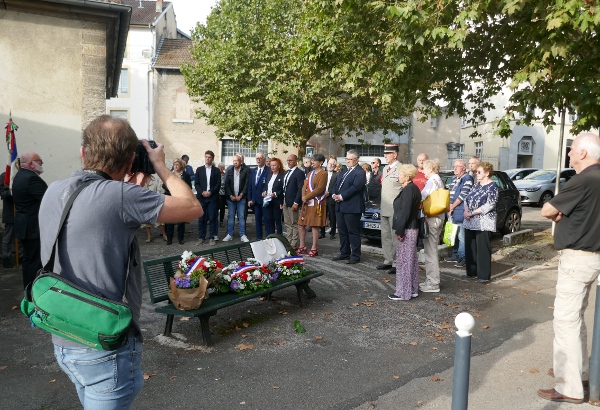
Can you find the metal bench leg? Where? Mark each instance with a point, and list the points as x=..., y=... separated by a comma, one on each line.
x=299, y=292
x=169, y=325
x=310, y=294
x=205, y=328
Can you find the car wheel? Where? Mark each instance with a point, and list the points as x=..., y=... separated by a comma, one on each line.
x=546, y=196
x=512, y=223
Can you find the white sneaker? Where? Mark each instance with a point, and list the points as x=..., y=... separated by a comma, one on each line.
x=227, y=238
x=244, y=238
x=216, y=238
x=429, y=288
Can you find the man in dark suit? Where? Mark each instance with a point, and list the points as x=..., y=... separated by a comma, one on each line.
x=348, y=194
x=28, y=190
x=332, y=176
x=293, y=181
x=236, y=189
x=259, y=178
x=208, y=182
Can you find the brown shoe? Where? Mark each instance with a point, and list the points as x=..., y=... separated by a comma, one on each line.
x=553, y=395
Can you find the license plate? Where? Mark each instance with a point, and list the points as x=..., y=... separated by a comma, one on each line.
x=371, y=225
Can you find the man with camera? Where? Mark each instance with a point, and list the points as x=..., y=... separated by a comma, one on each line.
x=97, y=249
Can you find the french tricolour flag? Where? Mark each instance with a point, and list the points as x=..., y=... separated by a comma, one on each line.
x=11, y=145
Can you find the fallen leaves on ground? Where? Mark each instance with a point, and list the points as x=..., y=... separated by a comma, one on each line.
x=368, y=303
x=437, y=298
x=148, y=375
x=355, y=304
x=243, y=346
x=365, y=326
x=534, y=303
x=52, y=381
x=534, y=371
x=551, y=307
x=515, y=277
x=386, y=280
x=283, y=312
x=15, y=307
x=446, y=327
x=237, y=327
x=279, y=343
x=246, y=324
x=3, y=367
x=485, y=326
x=434, y=348
x=172, y=378
x=524, y=293
x=318, y=337
x=244, y=336
x=436, y=378
x=184, y=319
x=396, y=377
x=413, y=343
x=476, y=315
x=494, y=297
x=327, y=313
x=275, y=387
x=439, y=337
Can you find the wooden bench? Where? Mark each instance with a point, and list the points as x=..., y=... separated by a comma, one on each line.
x=159, y=271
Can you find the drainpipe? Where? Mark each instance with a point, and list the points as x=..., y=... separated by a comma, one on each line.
x=150, y=135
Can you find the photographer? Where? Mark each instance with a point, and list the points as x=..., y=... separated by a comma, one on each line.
x=97, y=249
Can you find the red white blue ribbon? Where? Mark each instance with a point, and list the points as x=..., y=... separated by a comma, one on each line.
x=195, y=265
x=290, y=260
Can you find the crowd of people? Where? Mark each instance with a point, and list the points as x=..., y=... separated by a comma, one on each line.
x=99, y=251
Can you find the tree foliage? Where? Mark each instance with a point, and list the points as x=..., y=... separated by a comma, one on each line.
x=464, y=53
x=254, y=70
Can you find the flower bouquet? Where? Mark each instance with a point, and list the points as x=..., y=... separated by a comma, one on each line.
x=244, y=277
x=289, y=267
x=188, y=287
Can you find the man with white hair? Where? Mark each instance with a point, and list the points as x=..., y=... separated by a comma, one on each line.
x=577, y=239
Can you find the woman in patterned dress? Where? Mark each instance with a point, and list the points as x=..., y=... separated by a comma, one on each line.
x=313, y=212
x=479, y=223
x=406, y=225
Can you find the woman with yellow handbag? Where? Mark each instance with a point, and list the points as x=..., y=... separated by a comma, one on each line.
x=433, y=208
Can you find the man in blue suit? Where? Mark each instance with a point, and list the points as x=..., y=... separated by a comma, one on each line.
x=348, y=195
x=293, y=181
x=259, y=178
x=208, y=182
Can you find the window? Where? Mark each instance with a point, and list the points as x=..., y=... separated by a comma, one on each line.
x=433, y=121
x=119, y=114
x=499, y=181
x=124, y=81
x=526, y=146
x=366, y=150
x=479, y=149
x=232, y=147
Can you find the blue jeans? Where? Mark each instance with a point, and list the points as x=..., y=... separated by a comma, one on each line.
x=104, y=380
x=236, y=208
x=459, y=244
x=209, y=206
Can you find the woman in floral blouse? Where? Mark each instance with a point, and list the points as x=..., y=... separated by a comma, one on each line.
x=480, y=222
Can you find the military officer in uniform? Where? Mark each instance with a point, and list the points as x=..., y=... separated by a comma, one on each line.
x=390, y=188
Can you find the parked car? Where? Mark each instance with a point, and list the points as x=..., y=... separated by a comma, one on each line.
x=508, y=208
x=519, y=173
x=538, y=187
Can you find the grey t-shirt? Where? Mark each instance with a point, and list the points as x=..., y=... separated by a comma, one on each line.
x=93, y=247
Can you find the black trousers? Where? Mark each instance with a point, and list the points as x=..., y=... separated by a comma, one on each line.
x=32, y=261
x=331, y=214
x=349, y=230
x=170, y=228
x=222, y=204
x=478, y=253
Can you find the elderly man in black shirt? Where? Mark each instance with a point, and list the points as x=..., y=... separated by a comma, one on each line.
x=577, y=238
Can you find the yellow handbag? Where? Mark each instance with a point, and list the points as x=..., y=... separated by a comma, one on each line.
x=437, y=202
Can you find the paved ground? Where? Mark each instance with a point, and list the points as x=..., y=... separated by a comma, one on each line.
x=359, y=347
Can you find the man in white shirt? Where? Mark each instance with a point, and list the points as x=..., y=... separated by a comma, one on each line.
x=332, y=176
x=208, y=184
x=293, y=181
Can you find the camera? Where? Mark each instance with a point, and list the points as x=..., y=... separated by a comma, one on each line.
x=142, y=163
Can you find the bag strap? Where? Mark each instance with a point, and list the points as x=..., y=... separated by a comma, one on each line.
x=49, y=266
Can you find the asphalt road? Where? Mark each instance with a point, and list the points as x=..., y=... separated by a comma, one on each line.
x=358, y=344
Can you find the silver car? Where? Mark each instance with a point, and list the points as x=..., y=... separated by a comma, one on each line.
x=538, y=187
x=519, y=173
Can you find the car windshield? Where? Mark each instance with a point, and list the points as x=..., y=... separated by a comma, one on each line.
x=541, y=175
x=511, y=172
